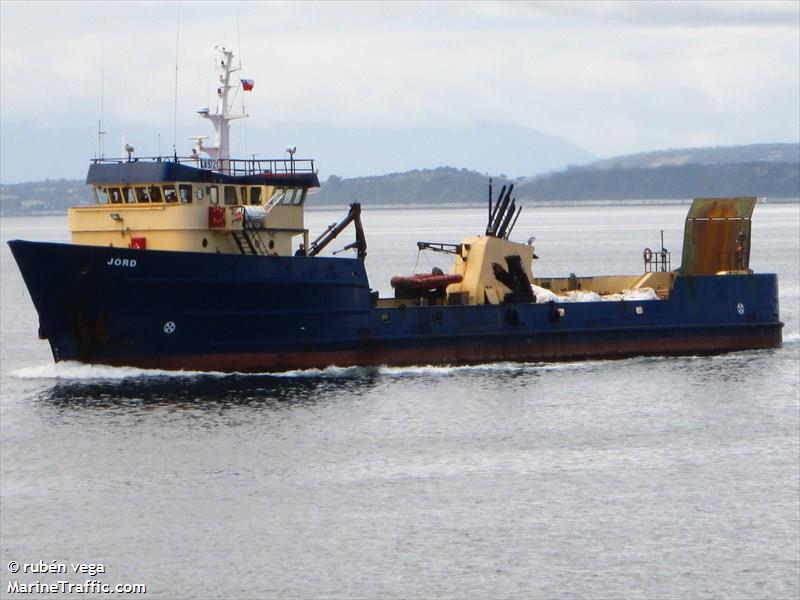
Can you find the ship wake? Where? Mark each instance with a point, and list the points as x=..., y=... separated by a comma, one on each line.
x=75, y=371
x=78, y=372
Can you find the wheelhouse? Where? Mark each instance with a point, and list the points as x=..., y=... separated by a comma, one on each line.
x=244, y=206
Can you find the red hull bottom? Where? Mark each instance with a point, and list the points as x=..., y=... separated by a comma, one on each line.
x=552, y=351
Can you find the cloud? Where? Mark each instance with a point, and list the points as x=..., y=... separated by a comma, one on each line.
x=613, y=77
x=654, y=14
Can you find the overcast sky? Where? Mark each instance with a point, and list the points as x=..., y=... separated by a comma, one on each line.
x=613, y=78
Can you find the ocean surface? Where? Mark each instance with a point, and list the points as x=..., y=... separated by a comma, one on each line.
x=638, y=478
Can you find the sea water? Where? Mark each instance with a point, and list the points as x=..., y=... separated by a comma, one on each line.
x=637, y=478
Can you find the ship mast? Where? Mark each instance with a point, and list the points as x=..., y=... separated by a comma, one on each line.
x=222, y=116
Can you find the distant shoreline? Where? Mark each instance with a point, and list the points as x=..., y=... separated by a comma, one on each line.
x=530, y=204
x=635, y=182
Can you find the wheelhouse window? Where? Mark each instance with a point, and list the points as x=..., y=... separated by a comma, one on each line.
x=278, y=196
x=129, y=195
x=213, y=194
x=155, y=193
x=299, y=197
x=169, y=193
x=185, y=193
x=141, y=195
x=255, y=195
x=101, y=195
x=116, y=195
x=230, y=195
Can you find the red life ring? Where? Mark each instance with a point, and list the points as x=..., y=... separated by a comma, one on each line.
x=648, y=255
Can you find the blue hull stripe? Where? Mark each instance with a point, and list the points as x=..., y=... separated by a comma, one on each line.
x=229, y=312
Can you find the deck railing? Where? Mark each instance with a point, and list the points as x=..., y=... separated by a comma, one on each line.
x=659, y=260
x=227, y=166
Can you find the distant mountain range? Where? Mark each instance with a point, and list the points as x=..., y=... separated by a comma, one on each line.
x=762, y=179
x=445, y=185
x=486, y=148
x=63, y=150
x=771, y=170
x=720, y=155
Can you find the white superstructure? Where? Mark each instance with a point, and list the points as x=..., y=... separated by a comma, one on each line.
x=220, y=119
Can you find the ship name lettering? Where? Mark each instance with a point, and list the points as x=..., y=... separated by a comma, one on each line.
x=121, y=262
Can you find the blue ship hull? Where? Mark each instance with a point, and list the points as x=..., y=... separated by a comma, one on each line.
x=183, y=310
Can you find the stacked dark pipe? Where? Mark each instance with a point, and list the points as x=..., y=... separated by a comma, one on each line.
x=503, y=216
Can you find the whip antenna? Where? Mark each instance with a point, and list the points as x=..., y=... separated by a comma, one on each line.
x=100, y=131
x=175, y=107
x=244, y=111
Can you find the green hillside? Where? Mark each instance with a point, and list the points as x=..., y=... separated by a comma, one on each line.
x=653, y=175
x=774, y=180
x=717, y=155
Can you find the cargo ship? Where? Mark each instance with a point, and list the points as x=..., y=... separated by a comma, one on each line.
x=203, y=262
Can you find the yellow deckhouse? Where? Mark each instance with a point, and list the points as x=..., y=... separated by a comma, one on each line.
x=163, y=204
x=195, y=203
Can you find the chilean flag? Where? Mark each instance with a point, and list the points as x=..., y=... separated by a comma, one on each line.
x=247, y=84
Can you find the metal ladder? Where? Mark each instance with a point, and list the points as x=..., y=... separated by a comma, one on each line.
x=247, y=240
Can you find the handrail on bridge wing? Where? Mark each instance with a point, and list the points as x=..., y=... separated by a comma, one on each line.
x=227, y=166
